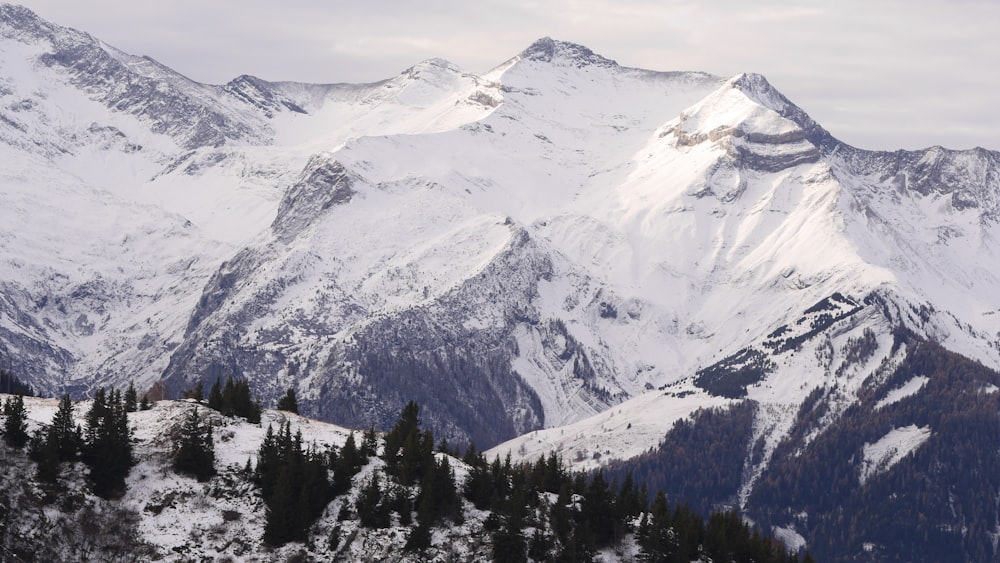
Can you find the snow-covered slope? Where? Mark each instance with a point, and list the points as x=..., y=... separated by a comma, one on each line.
x=517, y=250
x=167, y=516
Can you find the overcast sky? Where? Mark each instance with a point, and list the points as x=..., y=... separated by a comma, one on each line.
x=878, y=74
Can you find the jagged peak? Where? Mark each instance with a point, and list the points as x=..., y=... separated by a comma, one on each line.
x=251, y=80
x=747, y=105
x=550, y=50
x=17, y=21
x=756, y=88
x=756, y=125
x=15, y=12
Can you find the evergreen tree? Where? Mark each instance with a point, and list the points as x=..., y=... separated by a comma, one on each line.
x=268, y=463
x=237, y=401
x=408, y=452
x=144, y=404
x=406, y=429
x=294, y=484
x=346, y=465
x=282, y=516
x=540, y=546
x=15, y=428
x=598, y=512
x=438, y=498
x=373, y=511
x=98, y=411
x=195, y=455
x=63, y=433
x=419, y=538
x=509, y=544
x=13, y=386
x=289, y=403
x=108, y=446
x=130, y=398
x=369, y=443
x=197, y=393
x=215, y=396
x=58, y=442
x=45, y=453
x=316, y=490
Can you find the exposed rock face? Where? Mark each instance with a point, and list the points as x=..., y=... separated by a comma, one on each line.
x=323, y=183
x=517, y=250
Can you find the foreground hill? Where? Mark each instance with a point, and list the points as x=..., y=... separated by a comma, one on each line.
x=377, y=498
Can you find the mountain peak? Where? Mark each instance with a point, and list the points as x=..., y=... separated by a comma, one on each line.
x=758, y=90
x=757, y=125
x=15, y=12
x=550, y=50
x=434, y=65
x=17, y=21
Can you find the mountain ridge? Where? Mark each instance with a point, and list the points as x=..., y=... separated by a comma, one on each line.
x=561, y=254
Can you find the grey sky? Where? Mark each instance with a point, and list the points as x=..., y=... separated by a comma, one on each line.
x=880, y=74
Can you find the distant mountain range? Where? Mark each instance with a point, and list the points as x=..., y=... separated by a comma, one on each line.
x=563, y=252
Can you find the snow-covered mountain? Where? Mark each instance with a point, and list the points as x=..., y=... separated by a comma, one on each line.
x=559, y=241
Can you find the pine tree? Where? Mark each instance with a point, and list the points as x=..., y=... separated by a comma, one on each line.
x=108, y=445
x=56, y=443
x=369, y=443
x=406, y=428
x=130, y=398
x=373, y=511
x=63, y=433
x=346, y=465
x=289, y=403
x=598, y=512
x=13, y=386
x=197, y=393
x=268, y=463
x=509, y=544
x=15, y=429
x=294, y=484
x=98, y=410
x=45, y=453
x=540, y=546
x=196, y=453
x=282, y=516
x=237, y=401
x=215, y=396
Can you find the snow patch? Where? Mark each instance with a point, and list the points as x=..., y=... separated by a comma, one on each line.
x=793, y=540
x=911, y=387
x=621, y=432
x=891, y=448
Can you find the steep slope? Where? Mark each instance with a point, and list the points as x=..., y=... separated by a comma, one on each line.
x=143, y=221
x=543, y=241
x=452, y=262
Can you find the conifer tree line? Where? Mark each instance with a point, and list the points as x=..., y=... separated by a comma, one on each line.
x=103, y=444
x=15, y=427
x=231, y=399
x=542, y=512
x=10, y=385
x=538, y=511
x=195, y=455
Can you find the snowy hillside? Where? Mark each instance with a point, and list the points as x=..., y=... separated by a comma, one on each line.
x=366, y=501
x=562, y=251
x=167, y=515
